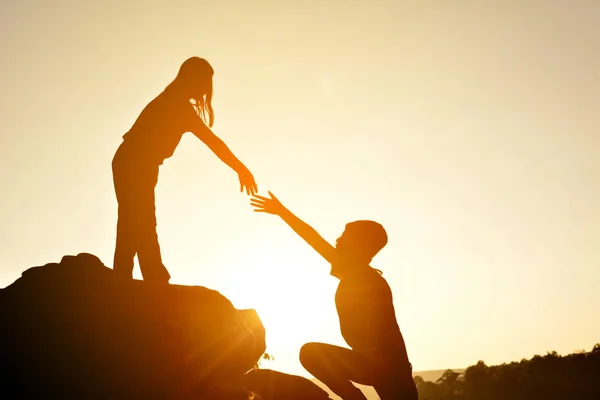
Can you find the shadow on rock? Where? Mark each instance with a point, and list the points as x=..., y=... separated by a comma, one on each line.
x=75, y=330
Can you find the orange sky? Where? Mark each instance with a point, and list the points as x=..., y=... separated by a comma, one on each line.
x=469, y=129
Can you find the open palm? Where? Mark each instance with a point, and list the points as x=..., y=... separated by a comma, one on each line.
x=270, y=205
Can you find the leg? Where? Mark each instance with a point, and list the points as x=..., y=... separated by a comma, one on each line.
x=148, y=249
x=125, y=247
x=396, y=381
x=337, y=367
x=394, y=390
x=136, y=226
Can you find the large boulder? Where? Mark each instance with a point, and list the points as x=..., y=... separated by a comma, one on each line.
x=74, y=330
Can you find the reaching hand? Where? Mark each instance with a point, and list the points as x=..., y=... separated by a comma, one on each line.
x=247, y=182
x=267, y=205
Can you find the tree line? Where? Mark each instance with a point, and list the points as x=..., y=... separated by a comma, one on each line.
x=551, y=377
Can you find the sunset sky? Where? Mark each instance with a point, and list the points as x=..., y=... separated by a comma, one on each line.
x=469, y=129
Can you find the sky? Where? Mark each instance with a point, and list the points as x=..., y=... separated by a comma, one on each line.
x=469, y=129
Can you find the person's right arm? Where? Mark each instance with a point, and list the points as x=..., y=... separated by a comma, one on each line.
x=273, y=206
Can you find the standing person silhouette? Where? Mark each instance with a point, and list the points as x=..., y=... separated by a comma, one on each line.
x=152, y=139
x=365, y=309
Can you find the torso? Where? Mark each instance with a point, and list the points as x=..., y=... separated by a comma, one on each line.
x=367, y=316
x=158, y=130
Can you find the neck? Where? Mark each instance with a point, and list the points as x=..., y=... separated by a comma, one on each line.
x=346, y=268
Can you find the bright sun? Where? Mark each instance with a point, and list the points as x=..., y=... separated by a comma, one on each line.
x=295, y=303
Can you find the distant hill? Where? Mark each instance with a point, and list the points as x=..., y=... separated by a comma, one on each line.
x=432, y=376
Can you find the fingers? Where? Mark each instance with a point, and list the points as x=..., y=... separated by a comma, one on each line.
x=261, y=198
x=257, y=204
x=248, y=184
x=253, y=189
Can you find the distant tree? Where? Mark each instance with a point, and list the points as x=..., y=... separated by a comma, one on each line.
x=477, y=380
x=449, y=385
x=428, y=390
x=418, y=380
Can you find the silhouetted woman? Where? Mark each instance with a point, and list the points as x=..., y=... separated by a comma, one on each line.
x=153, y=138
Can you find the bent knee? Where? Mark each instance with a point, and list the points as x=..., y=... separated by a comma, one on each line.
x=309, y=352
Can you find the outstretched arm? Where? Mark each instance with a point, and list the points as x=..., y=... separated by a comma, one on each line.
x=202, y=132
x=273, y=206
x=220, y=149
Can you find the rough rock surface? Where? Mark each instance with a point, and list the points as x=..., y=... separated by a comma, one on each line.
x=74, y=330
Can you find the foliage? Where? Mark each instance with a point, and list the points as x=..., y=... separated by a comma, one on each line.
x=264, y=357
x=550, y=377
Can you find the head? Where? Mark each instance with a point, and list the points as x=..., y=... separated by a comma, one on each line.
x=195, y=81
x=360, y=242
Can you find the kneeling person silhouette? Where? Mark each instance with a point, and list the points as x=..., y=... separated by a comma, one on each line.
x=365, y=309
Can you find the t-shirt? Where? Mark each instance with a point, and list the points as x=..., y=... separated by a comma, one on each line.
x=367, y=316
x=160, y=126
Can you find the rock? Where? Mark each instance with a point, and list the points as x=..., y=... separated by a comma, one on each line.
x=274, y=385
x=254, y=323
x=75, y=330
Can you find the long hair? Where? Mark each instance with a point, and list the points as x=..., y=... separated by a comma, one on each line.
x=204, y=108
x=197, y=71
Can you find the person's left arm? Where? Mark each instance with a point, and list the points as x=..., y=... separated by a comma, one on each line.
x=206, y=135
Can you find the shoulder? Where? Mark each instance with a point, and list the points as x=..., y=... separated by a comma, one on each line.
x=174, y=105
x=377, y=287
x=368, y=281
x=365, y=290
x=377, y=280
x=373, y=275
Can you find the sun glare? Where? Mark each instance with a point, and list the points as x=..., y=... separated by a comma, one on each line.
x=293, y=297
